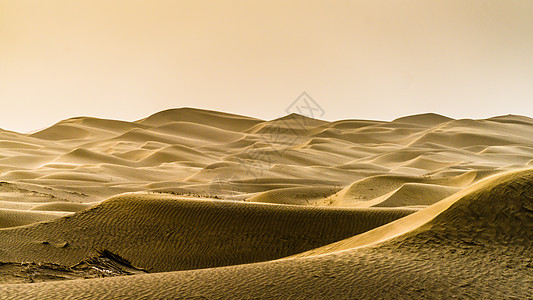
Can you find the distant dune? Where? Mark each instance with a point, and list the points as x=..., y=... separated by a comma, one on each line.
x=216, y=205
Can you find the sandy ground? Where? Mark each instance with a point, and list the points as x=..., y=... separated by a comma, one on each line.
x=192, y=203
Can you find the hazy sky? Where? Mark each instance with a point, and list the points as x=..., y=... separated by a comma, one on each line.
x=377, y=59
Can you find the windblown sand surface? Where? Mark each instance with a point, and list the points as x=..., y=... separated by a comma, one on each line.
x=194, y=203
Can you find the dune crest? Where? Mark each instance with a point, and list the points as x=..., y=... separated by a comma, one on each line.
x=191, y=146
x=411, y=263
x=211, y=233
x=506, y=198
x=299, y=207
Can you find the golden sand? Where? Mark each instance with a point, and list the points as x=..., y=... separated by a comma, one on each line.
x=216, y=205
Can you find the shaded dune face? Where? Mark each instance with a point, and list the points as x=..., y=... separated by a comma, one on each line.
x=488, y=210
x=14, y=218
x=165, y=233
x=499, y=214
x=495, y=217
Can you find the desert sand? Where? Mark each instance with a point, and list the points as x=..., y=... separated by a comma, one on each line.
x=191, y=203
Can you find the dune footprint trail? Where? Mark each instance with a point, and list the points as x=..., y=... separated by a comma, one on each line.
x=196, y=203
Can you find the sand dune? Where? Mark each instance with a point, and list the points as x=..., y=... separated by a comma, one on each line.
x=494, y=191
x=296, y=196
x=450, y=240
x=235, y=232
x=199, y=132
x=193, y=140
x=412, y=194
x=380, y=185
x=353, y=203
x=205, y=117
x=62, y=207
x=14, y=218
x=429, y=119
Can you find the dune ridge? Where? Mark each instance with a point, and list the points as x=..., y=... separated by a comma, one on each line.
x=407, y=262
x=298, y=206
x=207, y=233
x=191, y=144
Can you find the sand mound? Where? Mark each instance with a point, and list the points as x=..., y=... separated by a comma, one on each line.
x=296, y=196
x=487, y=215
x=504, y=198
x=416, y=194
x=460, y=140
x=105, y=124
x=176, y=153
x=206, y=117
x=61, y=207
x=292, y=164
x=428, y=119
x=375, y=186
x=148, y=230
x=513, y=119
x=188, y=147
x=199, y=132
x=86, y=156
x=499, y=212
x=62, y=132
x=13, y=218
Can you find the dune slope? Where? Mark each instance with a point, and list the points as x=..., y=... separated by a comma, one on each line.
x=224, y=206
x=470, y=249
x=165, y=233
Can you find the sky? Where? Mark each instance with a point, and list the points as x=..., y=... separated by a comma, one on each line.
x=379, y=59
